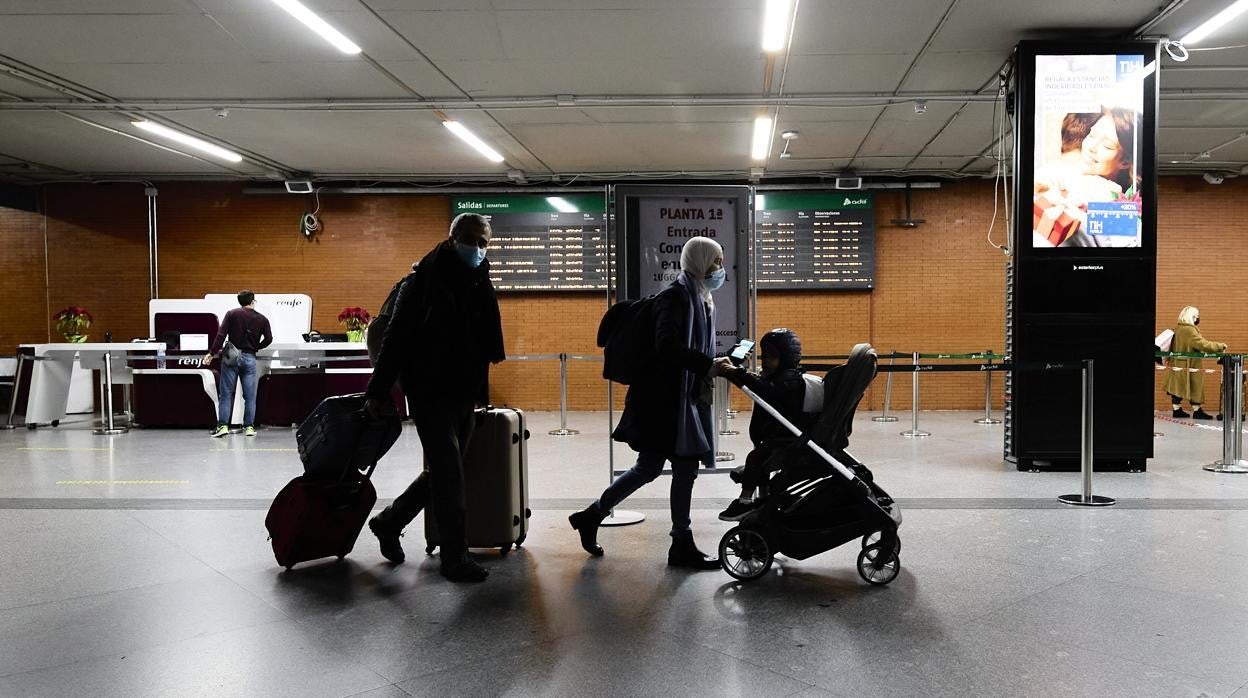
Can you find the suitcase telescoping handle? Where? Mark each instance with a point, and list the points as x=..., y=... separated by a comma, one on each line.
x=367, y=472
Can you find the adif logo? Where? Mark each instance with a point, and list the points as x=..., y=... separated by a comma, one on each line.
x=854, y=202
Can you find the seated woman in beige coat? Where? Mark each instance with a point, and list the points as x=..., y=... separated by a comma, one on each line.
x=1182, y=383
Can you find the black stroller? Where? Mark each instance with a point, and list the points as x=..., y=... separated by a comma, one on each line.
x=822, y=497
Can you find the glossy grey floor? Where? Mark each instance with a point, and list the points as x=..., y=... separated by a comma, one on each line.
x=137, y=565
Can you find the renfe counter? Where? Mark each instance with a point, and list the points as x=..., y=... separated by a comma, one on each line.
x=292, y=379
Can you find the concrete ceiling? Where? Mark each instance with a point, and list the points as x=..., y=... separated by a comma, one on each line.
x=585, y=88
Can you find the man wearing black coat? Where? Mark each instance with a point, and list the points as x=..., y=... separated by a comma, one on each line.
x=444, y=334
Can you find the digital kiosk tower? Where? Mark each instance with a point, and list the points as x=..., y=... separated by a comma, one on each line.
x=1082, y=281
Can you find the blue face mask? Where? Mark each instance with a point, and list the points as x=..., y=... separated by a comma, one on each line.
x=716, y=279
x=472, y=255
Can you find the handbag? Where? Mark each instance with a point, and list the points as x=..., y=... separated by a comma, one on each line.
x=230, y=354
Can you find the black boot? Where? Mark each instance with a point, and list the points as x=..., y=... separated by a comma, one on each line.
x=586, y=523
x=460, y=567
x=684, y=553
x=387, y=536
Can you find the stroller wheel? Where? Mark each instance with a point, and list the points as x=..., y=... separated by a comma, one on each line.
x=872, y=538
x=878, y=566
x=745, y=554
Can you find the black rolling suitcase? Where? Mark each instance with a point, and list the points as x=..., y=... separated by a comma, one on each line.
x=338, y=438
x=321, y=513
x=496, y=483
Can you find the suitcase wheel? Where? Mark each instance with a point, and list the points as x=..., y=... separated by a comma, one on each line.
x=520, y=540
x=515, y=521
x=429, y=549
x=289, y=567
x=503, y=549
x=528, y=513
x=515, y=438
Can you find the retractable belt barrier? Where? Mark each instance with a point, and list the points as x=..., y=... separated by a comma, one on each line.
x=563, y=358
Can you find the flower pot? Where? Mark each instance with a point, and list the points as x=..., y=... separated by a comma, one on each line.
x=76, y=338
x=355, y=335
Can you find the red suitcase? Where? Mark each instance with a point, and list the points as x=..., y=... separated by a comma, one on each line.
x=320, y=514
x=310, y=520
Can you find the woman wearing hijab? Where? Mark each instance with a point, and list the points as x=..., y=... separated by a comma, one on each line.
x=667, y=414
x=1186, y=381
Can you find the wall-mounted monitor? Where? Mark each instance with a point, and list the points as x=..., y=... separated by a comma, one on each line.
x=544, y=243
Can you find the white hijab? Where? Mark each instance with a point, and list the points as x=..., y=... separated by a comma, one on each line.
x=696, y=259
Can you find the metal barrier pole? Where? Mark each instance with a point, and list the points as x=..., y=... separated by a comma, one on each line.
x=888, y=393
x=563, y=429
x=107, y=377
x=987, y=419
x=17, y=383
x=719, y=398
x=616, y=517
x=1086, y=499
x=1232, y=407
x=914, y=432
x=724, y=412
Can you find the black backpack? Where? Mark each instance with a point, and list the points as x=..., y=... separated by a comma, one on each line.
x=626, y=335
x=377, y=326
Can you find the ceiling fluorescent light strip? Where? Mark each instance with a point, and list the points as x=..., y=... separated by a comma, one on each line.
x=561, y=204
x=188, y=140
x=313, y=21
x=471, y=139
x=776, y=25
x=761, y=146
x=1215, y=23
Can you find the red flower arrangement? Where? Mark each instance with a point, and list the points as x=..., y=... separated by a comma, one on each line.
x=355, y=319
x=73, y=323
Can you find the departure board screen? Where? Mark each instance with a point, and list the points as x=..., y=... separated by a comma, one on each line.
x=544, y=243
x=815, y=240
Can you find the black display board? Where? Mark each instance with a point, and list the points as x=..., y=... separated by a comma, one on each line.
x=544, y=243
x=815, y=240
x=1083, y=283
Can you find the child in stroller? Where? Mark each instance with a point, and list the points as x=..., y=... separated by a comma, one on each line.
x=822, y=497
x=783, y=385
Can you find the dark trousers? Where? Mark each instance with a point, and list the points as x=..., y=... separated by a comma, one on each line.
x=444, y=434
x=755, y=473
x=648, y=467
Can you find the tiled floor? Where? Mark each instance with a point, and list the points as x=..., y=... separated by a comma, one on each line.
x=137, y=565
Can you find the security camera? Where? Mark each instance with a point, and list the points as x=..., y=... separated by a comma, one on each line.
x=1214, y=178
x=221, y=113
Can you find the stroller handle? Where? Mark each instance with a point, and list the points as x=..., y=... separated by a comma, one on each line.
x=845, y=472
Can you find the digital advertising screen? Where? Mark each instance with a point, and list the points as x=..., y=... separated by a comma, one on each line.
x=1089, y=156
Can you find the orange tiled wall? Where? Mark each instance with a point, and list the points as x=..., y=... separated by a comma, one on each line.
x=940, y=287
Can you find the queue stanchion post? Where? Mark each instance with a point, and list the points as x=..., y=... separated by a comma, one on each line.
x=106, y=378
x=1086, y=498
x=1232, y=430
x=563, y=429
x=719, y=398
x=616, y=517
x=987, y=419
x=17, y=384
x=888, y=392
x=914, y=432
x=723, y=393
